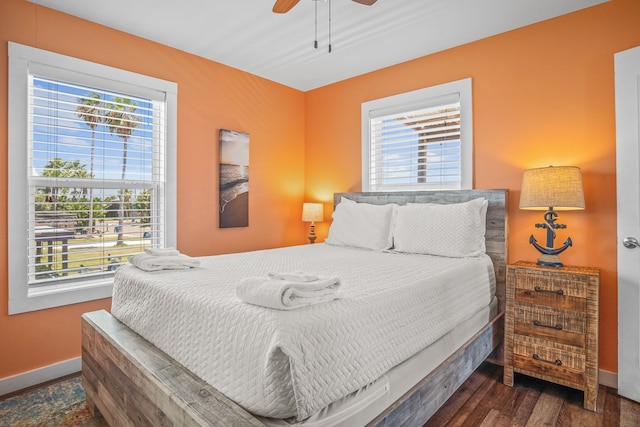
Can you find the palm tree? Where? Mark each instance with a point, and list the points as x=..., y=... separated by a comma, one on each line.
x=90, y=111
x=121, y=120
x=59, y=168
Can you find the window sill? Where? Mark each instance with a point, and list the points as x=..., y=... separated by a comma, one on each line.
x=45, y=297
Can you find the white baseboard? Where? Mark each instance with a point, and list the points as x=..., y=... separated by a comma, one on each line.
x=610, y=379
x=40, y=375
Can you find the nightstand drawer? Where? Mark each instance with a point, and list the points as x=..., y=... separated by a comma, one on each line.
x=550, y=282
x=547, y=371
x=550, y=299
x=547, y=358
x=562, y=326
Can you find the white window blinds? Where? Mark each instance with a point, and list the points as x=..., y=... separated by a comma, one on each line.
x=418, y=148
x=418, y=140
x=91, y=172
x=96, y=173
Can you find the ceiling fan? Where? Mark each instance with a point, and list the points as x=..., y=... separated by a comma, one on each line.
x=284, y=6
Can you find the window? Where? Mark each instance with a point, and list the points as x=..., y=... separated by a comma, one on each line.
x=420, y=140
x=91, y=175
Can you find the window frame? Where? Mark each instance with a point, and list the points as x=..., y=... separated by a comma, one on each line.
x=414, y=100
x=24, y=61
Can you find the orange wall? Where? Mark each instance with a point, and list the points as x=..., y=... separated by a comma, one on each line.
x=542, y=95
x=211, y=96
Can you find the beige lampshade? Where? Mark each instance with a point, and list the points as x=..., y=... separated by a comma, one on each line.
x=559, y=187
x=312, y=212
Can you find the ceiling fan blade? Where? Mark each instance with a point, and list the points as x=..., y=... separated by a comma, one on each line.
x=365, y=2
x=284, y=6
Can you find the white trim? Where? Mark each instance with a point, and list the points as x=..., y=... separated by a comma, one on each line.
x=40, y=375
x=627, y=115
x=422, y=97
x=608, y=378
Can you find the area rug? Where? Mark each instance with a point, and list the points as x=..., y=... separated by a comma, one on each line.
x=56, y=405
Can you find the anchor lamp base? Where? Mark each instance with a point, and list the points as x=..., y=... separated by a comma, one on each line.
x=549, y=257
x=550, y=254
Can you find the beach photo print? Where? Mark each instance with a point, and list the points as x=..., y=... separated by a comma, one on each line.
x=234, y=179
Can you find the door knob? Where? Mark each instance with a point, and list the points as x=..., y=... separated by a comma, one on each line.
x=630, y=242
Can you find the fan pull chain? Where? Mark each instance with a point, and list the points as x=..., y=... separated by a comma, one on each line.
x=315, y=41
x=329, y=26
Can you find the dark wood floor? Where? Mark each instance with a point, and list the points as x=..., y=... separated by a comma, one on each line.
x=484, y=401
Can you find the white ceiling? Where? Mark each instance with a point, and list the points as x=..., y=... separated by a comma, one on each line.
x=247, y=35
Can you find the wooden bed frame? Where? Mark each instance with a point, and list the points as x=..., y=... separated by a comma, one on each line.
x=131, y=382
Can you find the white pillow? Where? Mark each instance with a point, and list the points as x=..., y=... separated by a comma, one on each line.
x=362, y=225
x=453, y=230
x=480, y=202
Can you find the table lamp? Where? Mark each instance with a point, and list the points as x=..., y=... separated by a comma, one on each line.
x=550, y=189
x=312, y=212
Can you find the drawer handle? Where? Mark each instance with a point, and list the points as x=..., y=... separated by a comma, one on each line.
x=539, y=289
x=555, y=362
x=557, y=326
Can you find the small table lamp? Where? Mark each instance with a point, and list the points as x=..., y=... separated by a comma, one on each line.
x=551, y=188
x=312, y=212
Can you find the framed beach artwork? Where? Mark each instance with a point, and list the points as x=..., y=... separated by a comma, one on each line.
x=234, y=179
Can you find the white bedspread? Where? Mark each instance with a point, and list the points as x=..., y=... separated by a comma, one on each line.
x=293, y=363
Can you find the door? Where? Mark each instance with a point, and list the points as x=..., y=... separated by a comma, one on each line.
x=627, y=82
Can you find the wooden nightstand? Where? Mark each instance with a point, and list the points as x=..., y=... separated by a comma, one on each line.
x=551, y=326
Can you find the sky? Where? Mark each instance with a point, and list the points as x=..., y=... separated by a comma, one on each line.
x=234, y=148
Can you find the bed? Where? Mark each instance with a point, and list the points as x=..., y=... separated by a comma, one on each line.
x=132, y=382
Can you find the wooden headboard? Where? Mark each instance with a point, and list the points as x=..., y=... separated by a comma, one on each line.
x=495, y=237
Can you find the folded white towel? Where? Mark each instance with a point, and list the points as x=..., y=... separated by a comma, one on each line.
x=147, y=262
x=296, y=276
x=162, y=251
x=285, y=294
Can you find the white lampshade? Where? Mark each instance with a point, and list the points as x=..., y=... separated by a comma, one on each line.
x=312, y=212
x=557, y=187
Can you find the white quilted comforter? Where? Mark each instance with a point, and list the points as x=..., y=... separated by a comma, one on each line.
x=284, y=364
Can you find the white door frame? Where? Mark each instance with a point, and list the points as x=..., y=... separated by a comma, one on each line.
x=627, y=93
